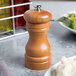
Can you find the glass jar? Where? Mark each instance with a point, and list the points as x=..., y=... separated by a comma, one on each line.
x=19, y=22
x=5, y=25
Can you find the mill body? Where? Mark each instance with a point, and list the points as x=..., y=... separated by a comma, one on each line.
x=38, y=54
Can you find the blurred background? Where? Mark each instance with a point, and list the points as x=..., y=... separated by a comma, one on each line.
x=11, y=17
x=57, y=7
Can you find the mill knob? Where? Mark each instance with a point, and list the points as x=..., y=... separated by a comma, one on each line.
x=38, y=8
x=37, y=49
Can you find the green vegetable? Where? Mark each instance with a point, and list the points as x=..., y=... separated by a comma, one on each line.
x=66, y=21
x=71, y=15
x=69, y=21
x=73, y=26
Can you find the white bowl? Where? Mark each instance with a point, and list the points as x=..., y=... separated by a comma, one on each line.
x=70, y=29
x=52, y=70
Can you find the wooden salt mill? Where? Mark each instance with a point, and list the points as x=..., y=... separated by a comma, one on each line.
x=38, y=54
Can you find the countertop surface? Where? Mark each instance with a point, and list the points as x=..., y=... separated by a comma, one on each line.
x=62, y=41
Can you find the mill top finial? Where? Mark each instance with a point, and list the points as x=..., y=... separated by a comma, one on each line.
x=38, y=7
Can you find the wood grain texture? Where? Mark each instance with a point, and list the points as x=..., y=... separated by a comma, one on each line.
x=38, y=54
x=32, y=16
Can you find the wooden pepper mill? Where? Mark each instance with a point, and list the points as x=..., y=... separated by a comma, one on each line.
x=38, y=54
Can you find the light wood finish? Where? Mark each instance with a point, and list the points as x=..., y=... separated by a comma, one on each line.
x=32, y=16
x=38, y=54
